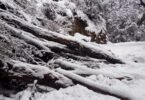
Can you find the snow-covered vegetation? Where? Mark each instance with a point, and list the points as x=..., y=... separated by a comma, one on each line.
x=67, y=49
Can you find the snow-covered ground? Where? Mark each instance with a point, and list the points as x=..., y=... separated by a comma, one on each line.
x=131, y=81
x=131, y=51
x=124, y=79
x=77, y=92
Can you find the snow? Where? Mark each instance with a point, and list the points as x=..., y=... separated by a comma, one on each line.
x=120, y=90
x=122, y=79
x=132, y=74
x=131, y=88
x=39, y=71
x=4, y=98
x=77, y=92
x=90, y=45
x=132, y=51
x=41, y=2
x=134, y=55
x=69, y=13
x=25, y=95
x=35, y=70
x=91, y=26
x=81, y=69
x=129, y=84
x=66, y=4
x=82, y=37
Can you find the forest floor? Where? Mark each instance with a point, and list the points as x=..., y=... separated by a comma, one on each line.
x=131, y=83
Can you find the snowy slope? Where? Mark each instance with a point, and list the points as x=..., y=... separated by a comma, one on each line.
x=131, y=82
x=133, y=51
x=77, y=92
x=41, y=48
x=132, y=87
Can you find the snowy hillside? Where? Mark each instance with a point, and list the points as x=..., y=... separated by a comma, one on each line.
x=128, y=80
x=63, y=50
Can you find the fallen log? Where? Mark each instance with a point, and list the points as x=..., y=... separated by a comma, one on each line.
x=83, y=48
x=25, y=36
x=50, y=47
x=84, y=70
x=123, y=93
x=23, y=73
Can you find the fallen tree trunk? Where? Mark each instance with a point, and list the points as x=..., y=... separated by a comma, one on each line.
x=84, y=70
x=25, y=36
x=123, y=94
x=78, y=58
x=50, y=46
x=24, y=73
x=83, y=48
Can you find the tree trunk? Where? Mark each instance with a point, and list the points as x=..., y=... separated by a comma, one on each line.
x=21, y=74
x=119, y=93
x=82, y=48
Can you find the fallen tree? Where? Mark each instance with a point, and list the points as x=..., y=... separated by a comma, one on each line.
x=84, y=70
x=123, y=94
x=43, y=53
x=49, y=46
x=25, y=74
x=80, y=47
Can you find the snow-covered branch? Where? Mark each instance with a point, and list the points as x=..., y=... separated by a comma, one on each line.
x=81, y=47
x=123, y=93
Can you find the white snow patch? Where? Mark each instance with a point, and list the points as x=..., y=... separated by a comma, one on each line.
x=130, y=51
x=82, y=37
x=77, y=92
